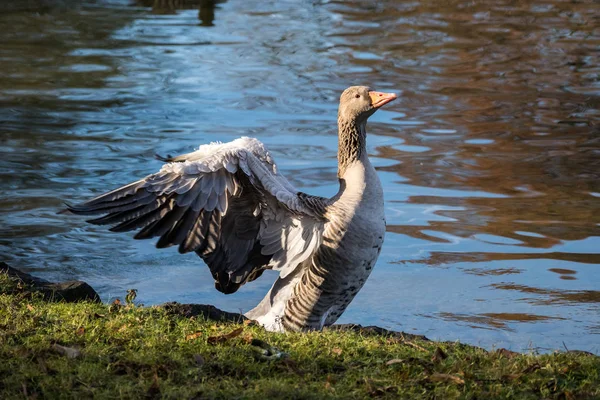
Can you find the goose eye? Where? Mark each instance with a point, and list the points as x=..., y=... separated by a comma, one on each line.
x=357, y=96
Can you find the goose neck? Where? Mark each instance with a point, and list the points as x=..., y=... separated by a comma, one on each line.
x=352, y=138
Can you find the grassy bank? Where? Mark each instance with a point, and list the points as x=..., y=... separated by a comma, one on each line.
x=83, y=350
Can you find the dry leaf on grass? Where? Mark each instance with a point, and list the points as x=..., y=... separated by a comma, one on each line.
x=403, y=340
x=193, y=336
x=115, y=306
x=425, y=364
x=510, y=377
x=531, y=368
x=70, y=352
x=446, y=378
x=30, y=307
x=247, y=338
x=328, y=383
x=506, y=353
x=394, y=361
x=225, y=337
x=566, y=395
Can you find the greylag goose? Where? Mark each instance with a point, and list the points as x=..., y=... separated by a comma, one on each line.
x=229, y=204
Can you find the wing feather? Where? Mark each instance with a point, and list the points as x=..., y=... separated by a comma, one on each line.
x=100, y=207
x=212, y=200
x=197, y=235
x=117, y=193
x=186, y=199
x=182, y=229
x=167, y=225
x=153, y=220
x=134, y=219
x=227, y=203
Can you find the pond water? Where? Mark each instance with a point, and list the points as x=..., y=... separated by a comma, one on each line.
x=490, y=159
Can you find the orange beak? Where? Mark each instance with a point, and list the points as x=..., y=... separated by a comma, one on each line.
x=378, y=99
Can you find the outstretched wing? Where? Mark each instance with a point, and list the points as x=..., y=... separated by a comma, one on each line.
x=227, y=203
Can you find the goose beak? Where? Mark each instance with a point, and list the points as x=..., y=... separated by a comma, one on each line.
x=378, y=99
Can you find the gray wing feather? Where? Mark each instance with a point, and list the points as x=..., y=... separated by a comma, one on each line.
x=225, y=202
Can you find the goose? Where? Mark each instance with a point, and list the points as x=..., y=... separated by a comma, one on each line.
x=228, y=203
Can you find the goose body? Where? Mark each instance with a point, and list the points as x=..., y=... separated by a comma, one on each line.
x=230, y=205
x=330, y=278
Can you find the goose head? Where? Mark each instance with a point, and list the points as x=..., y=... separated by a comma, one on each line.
x=358, y=103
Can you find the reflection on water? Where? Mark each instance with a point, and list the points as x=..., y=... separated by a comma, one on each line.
x=206, y=8
x=494, y=320
x=490, y=161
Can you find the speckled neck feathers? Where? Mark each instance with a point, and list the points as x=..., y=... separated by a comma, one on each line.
x=352, y=141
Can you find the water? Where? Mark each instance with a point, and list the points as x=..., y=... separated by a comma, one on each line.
x=490, y=160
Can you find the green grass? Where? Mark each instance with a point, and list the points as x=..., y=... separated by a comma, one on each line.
x=144, y=352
